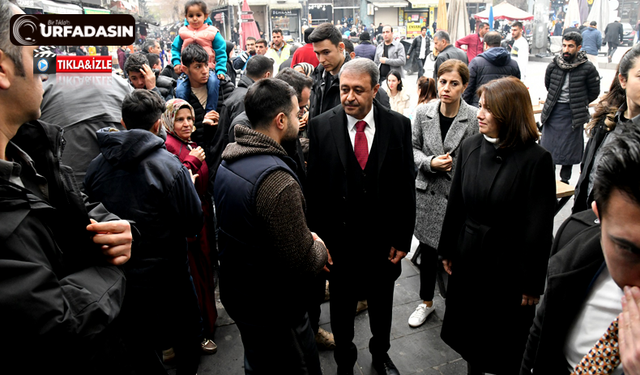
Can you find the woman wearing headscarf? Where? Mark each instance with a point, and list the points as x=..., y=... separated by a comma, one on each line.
x=178, y=121
x=304, y=68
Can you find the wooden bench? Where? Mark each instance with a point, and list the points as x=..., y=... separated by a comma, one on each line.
x=564, y=192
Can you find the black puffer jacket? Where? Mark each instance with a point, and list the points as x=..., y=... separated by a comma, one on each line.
x=55, y=288
x=166, y=85
x=492, y=64
x=584, y=87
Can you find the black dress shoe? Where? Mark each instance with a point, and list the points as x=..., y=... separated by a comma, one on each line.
x=385, y=367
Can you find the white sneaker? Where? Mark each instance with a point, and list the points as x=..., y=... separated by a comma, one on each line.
x=420, y=315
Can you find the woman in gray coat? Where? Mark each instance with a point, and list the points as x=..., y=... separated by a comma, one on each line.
x=438, y=130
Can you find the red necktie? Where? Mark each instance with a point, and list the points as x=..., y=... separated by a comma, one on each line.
x=361, y=147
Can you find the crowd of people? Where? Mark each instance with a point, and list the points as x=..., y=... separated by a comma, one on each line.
x=307, y=174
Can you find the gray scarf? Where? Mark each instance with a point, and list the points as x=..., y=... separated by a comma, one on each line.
x=581, y=58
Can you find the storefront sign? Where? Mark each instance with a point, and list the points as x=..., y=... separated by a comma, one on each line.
x=283, y=12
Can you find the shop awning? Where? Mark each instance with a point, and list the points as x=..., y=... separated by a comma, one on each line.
x=60, y=8
x=286, y=6
x=258, y=2
x=96, y=11
x=423, y=3
x=390, y=4
x=33, y=4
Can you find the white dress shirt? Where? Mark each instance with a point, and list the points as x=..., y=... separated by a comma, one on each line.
x=600, y=309
x=423, y=49
x=369, y=130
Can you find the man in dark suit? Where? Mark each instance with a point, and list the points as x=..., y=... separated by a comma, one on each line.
x=594, y=275
x=361, y=201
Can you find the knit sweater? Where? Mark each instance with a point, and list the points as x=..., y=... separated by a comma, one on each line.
x=280, y=205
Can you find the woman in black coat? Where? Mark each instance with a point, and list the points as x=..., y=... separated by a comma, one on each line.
x=497, y=232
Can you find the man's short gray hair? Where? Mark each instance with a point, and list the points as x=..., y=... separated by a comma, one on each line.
x=12, y=51
x=442, y=35
x=363, y=66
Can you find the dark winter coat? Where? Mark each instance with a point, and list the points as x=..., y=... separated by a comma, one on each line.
x=414, y=51
x=57, y=290
x=614, y=33
x=166, y=86
x=591, y=41
x=489, y=249
x=137, y=178
x=494, y=63
x=572, y=269
x=449, y=52
x=365, y=49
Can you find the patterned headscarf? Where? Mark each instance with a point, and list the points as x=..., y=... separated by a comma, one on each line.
x=169, y=116
x=306, y=67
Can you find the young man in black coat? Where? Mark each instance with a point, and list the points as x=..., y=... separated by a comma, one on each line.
x=593, y=276
x=419, y=50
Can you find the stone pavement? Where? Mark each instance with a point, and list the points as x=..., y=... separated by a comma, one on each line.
x=413, y=350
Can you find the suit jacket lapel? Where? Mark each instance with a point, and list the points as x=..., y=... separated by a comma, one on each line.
x=338, y=131
x=433, y=137
x=384, y=122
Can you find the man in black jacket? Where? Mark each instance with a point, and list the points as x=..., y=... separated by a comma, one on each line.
x=328, y=45
x=138, y=179
x=446, y=51
x=613, y=36
x=419, y=50
x=494, y=63
x=593, y=277
x=60, y=289
x=572, y=83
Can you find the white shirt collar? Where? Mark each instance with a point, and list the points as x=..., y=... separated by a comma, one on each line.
x=351, y=121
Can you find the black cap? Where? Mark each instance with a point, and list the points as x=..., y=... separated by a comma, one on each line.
x=365, y=36
x=593, y=23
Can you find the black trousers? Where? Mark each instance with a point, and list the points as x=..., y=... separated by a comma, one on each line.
x=428, y=271
x=162, y=313
x=345, y=294
x=612, y=49
x=286, y=347
x=421, y=67
x=565, y=173
x=314, y=299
